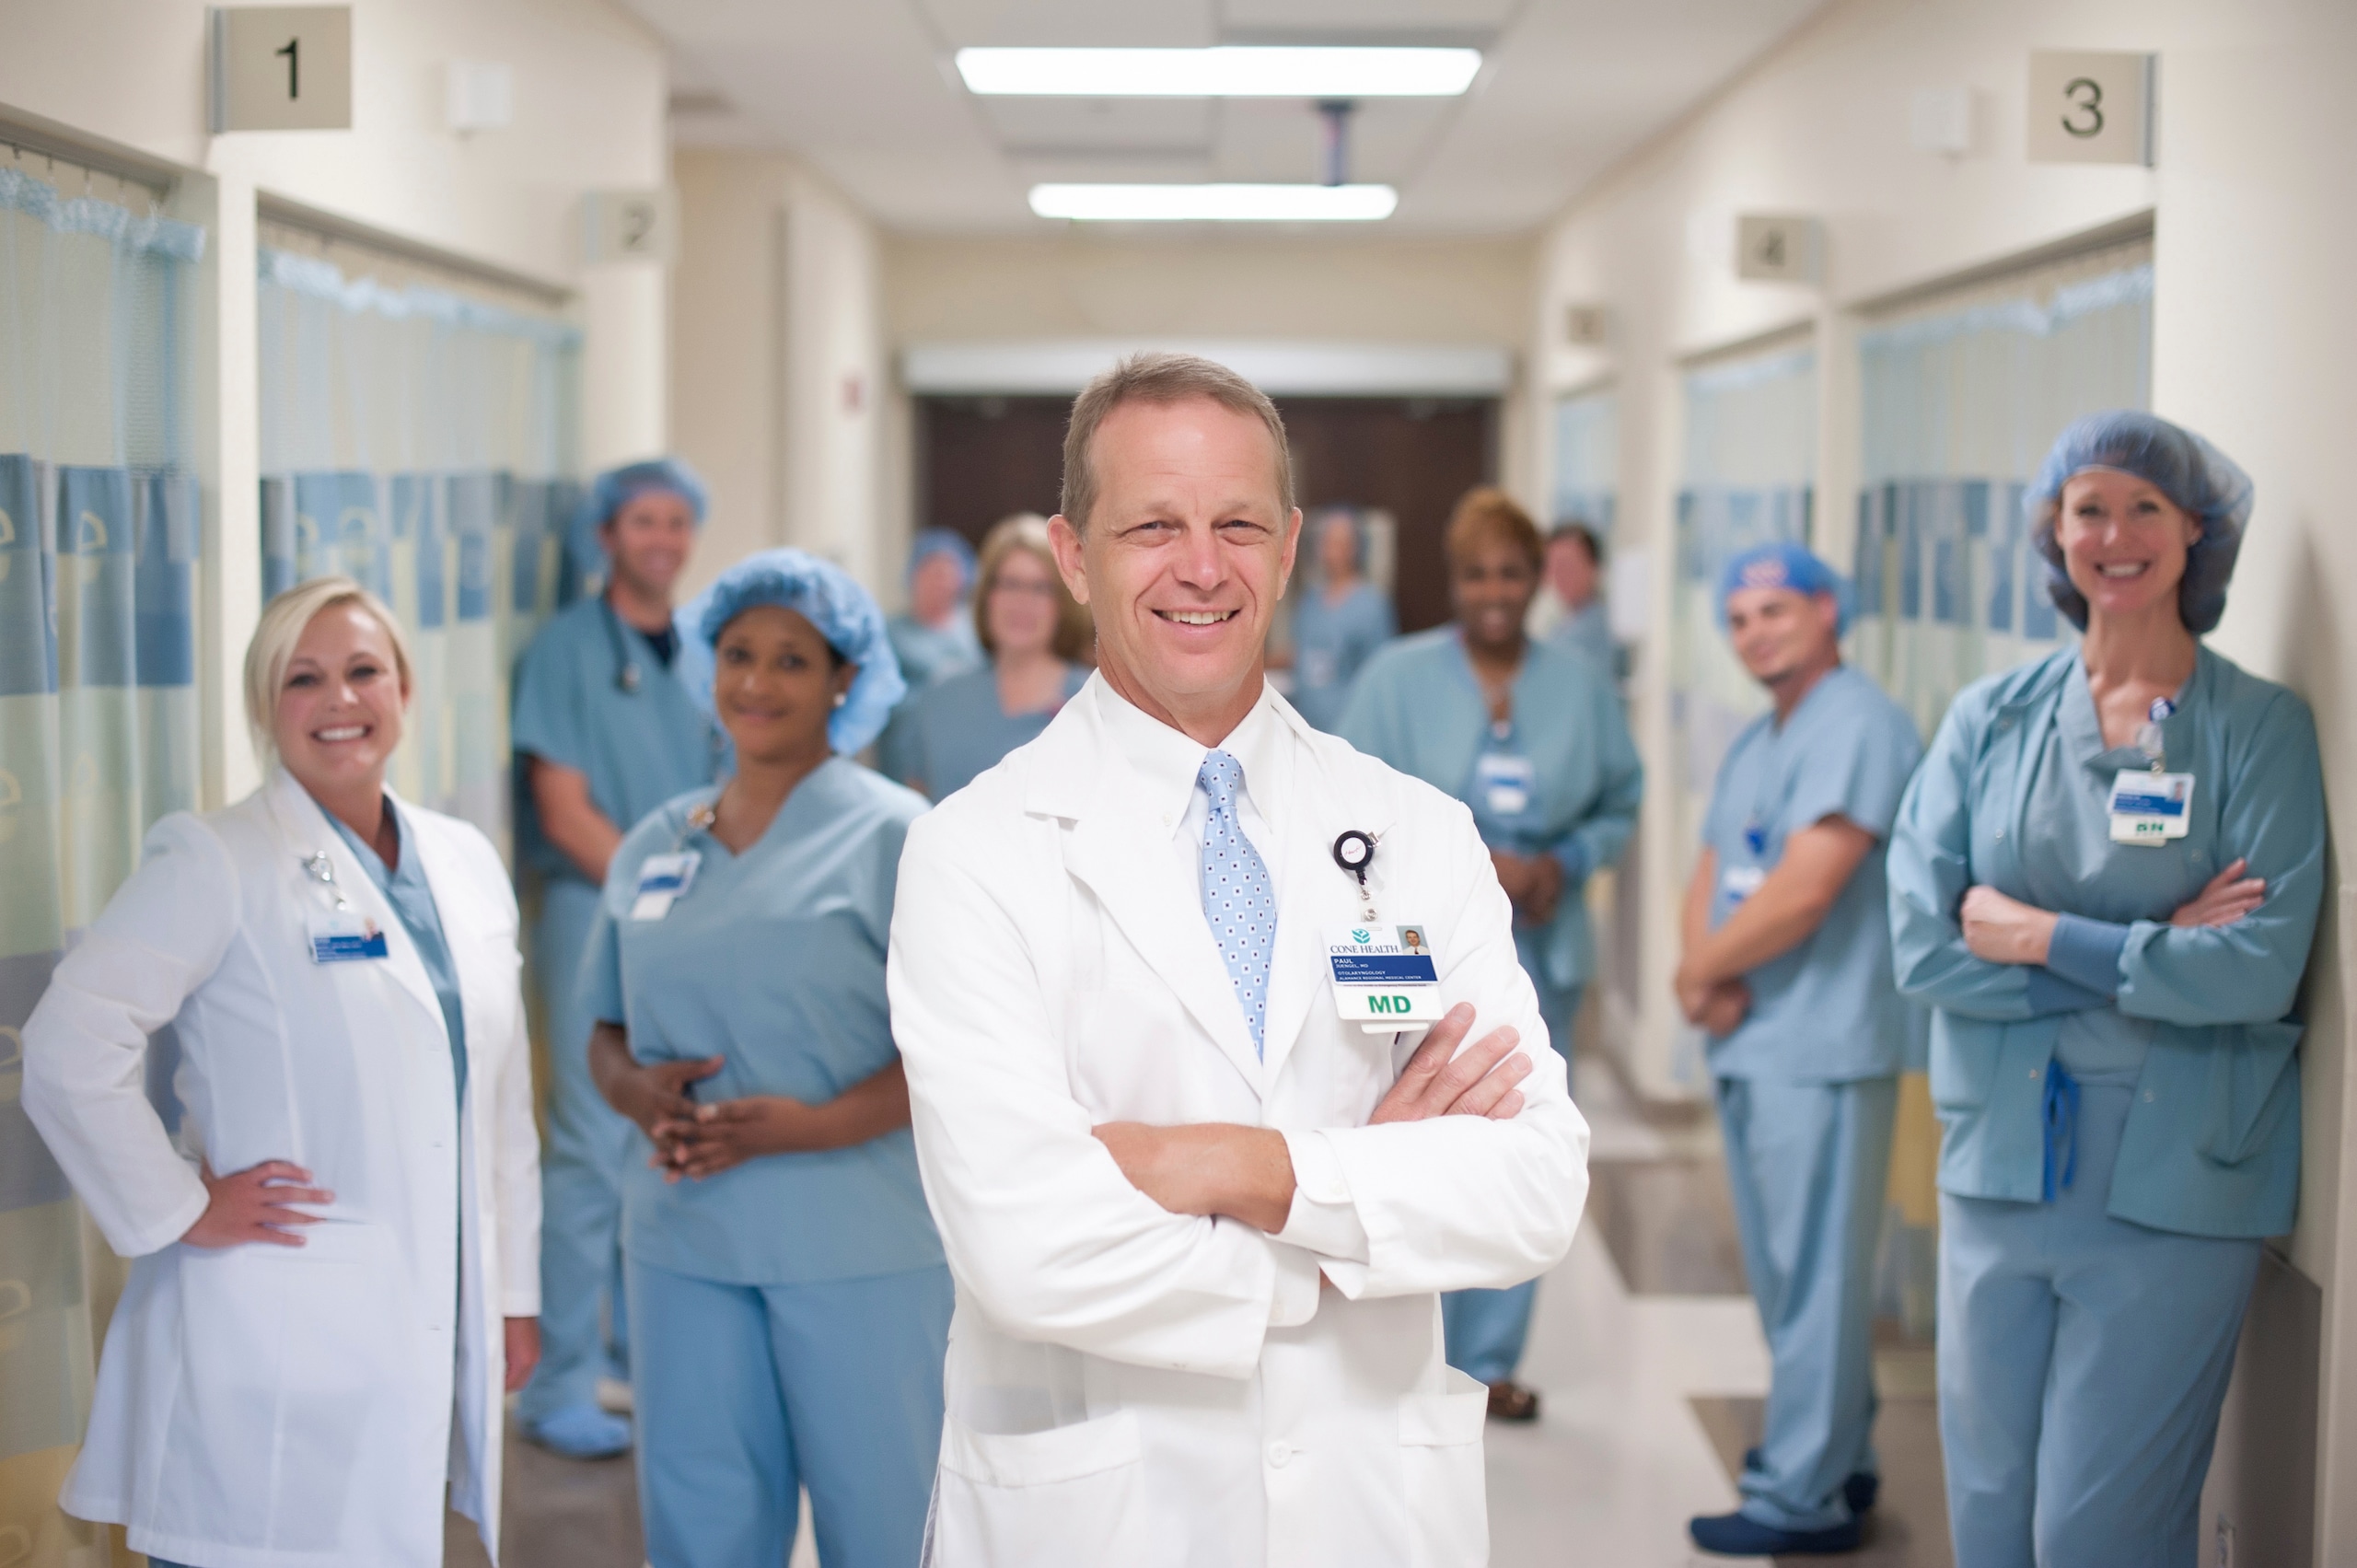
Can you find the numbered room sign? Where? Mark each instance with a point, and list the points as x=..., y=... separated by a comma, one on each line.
x=1769, y=249
x=282, y=68
x=2086, y=107
x=628, y=225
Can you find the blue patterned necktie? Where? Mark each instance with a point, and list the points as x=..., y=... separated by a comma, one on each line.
x=1238, y=898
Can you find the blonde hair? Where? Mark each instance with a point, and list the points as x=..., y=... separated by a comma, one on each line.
x=1161, y=378
x=283, y=621
x=1028, y=531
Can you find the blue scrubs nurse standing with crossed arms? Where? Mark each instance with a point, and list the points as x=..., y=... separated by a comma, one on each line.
x=2105, y=880
x=789, y=1301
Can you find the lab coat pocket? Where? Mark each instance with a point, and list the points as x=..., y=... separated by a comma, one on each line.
x=2254, y=1086
x=1440, y=1461
x=1071, y=1495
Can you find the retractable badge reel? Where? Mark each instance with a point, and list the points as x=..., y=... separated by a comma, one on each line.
x=340, y=934
x=1385, y=976
x=2152, y=806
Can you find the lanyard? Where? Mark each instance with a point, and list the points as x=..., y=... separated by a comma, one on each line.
x=626, y=674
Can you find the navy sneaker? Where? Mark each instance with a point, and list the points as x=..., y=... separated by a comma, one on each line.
x=1860, y=1492
x=1735, y=1534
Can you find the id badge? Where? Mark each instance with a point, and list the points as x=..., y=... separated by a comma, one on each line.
x=2149, y=808
x=1739, y=882
x=1385, y=977
x=663, y=880
x=1319, y=669
x=344, y=937
x=1506, y=781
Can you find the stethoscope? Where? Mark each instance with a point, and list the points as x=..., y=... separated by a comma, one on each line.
x=1354, y=851
x=626, y=673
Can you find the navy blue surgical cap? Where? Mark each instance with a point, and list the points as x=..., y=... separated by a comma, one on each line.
x=832, y=600
x=2201, y=479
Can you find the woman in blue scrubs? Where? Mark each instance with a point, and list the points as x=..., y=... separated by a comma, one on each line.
x=1338, y=624
x=1531, y=736
x=2104, y=880
x=1035, y=636
x=789, y=1302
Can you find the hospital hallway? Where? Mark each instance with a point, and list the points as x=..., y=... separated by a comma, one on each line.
x=1644, y=1348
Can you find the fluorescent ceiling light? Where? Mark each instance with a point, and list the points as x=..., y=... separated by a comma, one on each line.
x=1226, y=72
x=1215, y=204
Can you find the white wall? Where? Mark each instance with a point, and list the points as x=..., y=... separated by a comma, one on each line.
x=780, y=387
x=590, y=92
x=2253, y=319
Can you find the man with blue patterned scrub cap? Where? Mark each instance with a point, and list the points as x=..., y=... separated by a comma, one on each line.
x=2104, y=883
x=604, y=733
x=1787, y=968
x=934, y=638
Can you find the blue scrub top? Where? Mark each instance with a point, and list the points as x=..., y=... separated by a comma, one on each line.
x=953, y=731
x=412, y=900
x=774, y=959
x=1588, y=630
x=1828, y=1011
x=1419, y=707
x=928, y=654
x=1330, y=643
x=638, y=748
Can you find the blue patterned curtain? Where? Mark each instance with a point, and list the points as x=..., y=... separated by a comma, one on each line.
x=98, y=731
x=1587, y=461
x=1961, y=400
x=422, y=442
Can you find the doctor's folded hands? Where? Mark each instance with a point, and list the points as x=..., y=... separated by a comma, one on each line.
x=1222, y=1067
x=335, y=1253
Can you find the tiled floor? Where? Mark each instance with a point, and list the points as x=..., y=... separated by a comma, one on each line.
x=1647, y=1352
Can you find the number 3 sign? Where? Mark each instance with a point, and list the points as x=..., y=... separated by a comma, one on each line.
x=2090, y=108
x=282, y=68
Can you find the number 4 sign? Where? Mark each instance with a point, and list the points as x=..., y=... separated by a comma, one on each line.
x=2090, y=108
x=282, y=68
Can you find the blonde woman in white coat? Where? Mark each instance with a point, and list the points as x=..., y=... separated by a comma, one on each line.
x=335, y=1255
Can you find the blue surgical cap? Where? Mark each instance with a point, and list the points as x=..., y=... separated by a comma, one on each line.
x=941, y=542
x=1783, y=564
x=832, y=600
x=615, y=486
x=2202, y=482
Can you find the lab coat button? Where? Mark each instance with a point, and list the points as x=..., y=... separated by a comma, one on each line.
x=2000, y=835
x=1280, y=1453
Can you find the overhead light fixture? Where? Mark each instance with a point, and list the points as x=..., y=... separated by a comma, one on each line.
x=1227, y=71
x=1215, y=204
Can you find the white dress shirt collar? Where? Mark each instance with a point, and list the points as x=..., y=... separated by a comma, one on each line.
x=1168, y=760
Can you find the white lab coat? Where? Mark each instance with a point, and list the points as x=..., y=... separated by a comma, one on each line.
x=265, y=1406
x=1129, y=1386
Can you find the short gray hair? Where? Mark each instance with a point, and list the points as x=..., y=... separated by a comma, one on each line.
x=1161, y=378
x=283, y=621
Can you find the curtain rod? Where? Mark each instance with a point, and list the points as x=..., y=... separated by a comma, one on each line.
x=32, y=136
x=330, y=226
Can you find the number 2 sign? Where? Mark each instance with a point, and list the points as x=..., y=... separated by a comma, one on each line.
x=2086, y=107
x=282, y=68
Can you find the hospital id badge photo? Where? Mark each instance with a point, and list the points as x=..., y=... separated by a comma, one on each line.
x=2149, y=808
x=1386, y=977
x=343, y=936
x=663, y=880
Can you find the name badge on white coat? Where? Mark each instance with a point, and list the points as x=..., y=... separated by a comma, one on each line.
x=663, y=880
x=1507, y=782
x=2149, y=808
x=1739, y=882
x=1385, y=977
x=344, y=937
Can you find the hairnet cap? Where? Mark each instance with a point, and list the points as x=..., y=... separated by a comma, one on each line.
x=832, y=600
x=942, y=541
x=1783, y=564
x=613, y=487
x=2196, y=476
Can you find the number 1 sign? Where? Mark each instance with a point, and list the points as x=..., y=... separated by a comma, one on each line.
x=282, y=68
x=2086, y=107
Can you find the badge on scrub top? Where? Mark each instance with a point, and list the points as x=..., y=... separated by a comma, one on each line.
x=2149, y=808
x=1506, y=781
x=343, y=936
x=663, y=880
x=1385, y=977
x=1739, y=882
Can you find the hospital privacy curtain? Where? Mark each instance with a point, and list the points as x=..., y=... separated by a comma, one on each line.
x=1587, y=461
x=98, y=724
x=1962, y=394
x=420, y=436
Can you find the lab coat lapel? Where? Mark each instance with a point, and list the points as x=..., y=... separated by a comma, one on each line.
x=313, y=832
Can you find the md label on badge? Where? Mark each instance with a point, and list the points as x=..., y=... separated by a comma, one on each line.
x=1385, y=976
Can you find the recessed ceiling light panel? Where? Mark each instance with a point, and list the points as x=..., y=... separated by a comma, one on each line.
x=1228, y=71
x=1215, y=204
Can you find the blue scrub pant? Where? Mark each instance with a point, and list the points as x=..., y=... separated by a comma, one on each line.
x=747, y=1393
x=581, y=1172
x=2082, y=1362
x=1484, y=1330
x=1809, y=1167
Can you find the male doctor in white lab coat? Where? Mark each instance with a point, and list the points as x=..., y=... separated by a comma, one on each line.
x=1199, y=1219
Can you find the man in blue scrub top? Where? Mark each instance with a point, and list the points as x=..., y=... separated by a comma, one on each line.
x=603, y=735
x=1787, y=967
